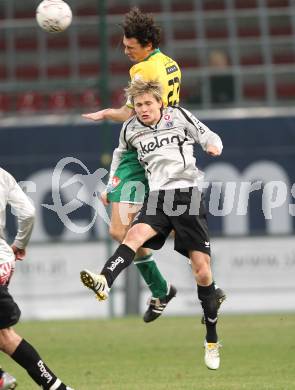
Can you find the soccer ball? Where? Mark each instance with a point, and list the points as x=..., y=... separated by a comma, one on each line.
x=54, y=15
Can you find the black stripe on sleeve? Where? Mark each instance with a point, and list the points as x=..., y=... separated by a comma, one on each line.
x=186, y=116
x=125, y=131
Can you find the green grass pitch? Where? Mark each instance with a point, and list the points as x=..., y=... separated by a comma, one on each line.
x=258, y=353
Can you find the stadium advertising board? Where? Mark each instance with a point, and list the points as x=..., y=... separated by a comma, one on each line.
x=252, y=190
x=257, y=274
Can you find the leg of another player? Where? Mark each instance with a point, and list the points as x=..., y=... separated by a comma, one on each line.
x=26, y=356
x=120, y=223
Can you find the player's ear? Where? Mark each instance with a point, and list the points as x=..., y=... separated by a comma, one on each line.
x=149, y=46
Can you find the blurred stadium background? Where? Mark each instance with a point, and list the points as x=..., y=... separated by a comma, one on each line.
x=42, y=72
x=238, y=64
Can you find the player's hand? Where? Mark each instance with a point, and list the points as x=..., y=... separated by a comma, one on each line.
x=213, y=151
x=19, y=253
x=104, y=198
x=96, y=116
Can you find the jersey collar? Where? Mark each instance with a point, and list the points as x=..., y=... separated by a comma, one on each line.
x=152, y=54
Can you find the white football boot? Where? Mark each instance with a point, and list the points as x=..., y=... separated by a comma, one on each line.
x=97, y=283
x=212, y=358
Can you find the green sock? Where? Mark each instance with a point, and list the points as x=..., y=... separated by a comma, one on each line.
x=152, y=275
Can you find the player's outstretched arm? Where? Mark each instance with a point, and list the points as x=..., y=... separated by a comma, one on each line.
x=114, y=114
x=96, y=116
x=209, y=141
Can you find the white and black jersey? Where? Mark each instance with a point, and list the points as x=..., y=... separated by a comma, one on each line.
x=166, y=150
x=12, y=194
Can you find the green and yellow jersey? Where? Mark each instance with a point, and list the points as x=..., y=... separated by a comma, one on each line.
x=157, y=66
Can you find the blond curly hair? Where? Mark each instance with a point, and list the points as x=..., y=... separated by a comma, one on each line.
x=139, y=87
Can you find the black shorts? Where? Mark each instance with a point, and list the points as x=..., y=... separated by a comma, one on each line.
x=182, y=210
x=9, y=311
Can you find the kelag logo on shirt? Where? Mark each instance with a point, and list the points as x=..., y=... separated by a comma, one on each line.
x=158, y=143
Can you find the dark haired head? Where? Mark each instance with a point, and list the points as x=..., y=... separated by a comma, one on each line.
x=142, y=27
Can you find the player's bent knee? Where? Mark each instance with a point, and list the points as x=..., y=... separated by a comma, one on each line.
x=8, y=340
x=135, y=236
x=202, y=270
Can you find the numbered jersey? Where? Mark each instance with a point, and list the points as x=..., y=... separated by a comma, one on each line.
x=165, y=70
